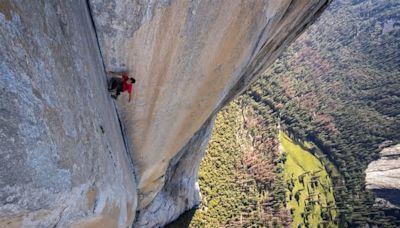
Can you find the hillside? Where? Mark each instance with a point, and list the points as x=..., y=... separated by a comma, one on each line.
x=338, y=87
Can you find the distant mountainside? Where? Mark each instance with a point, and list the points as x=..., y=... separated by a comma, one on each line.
x=338, y=86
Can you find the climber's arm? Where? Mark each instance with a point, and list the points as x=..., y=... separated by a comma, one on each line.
x=118, y=74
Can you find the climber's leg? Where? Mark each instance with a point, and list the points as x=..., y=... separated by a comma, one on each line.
x=113, y=84
x=118, y=91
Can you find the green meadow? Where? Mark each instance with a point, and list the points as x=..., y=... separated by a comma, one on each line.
x=309, y=189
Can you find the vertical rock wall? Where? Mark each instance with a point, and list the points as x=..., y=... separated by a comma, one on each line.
x=189, y=59
x=181, y=191
x=63, y=161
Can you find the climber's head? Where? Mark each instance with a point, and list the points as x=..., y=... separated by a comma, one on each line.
x=132, y=80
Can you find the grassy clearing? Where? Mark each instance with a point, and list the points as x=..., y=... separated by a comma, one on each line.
x=309, y=188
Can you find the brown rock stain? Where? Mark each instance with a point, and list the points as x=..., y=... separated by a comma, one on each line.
x=6, y=8
x=130, y=212
x=165, y=48
x=107, y=219
x=91, y=198
x=18, y=221
x=14, y=222
x=219, y=68
x=41, y=215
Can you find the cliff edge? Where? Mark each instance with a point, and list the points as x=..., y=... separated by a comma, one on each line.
x=383, y=177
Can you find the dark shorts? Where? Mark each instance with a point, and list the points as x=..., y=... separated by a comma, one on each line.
x=115, y=84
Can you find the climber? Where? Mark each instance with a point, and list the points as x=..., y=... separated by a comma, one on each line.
x=120, y=83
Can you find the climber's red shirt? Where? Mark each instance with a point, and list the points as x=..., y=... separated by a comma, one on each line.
x=125, y=86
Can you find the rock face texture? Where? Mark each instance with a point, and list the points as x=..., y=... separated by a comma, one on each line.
x=63, y=160
x=383, y=176
x=181, y=191
x=189, y=59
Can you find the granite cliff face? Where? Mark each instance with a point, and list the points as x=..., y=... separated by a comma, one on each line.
x=65, y=159
x=383, y=177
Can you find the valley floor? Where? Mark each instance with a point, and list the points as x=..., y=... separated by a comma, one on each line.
x=309, y=188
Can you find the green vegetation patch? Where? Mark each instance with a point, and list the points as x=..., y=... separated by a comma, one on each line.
x=309, y=188
x=221, y=197
x=240, y=181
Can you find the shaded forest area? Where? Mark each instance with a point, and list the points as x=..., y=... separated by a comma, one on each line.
x=338, y=86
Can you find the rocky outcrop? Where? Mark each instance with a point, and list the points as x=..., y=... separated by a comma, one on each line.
x=63, y=160
x=64, y=157
x=383, y=177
